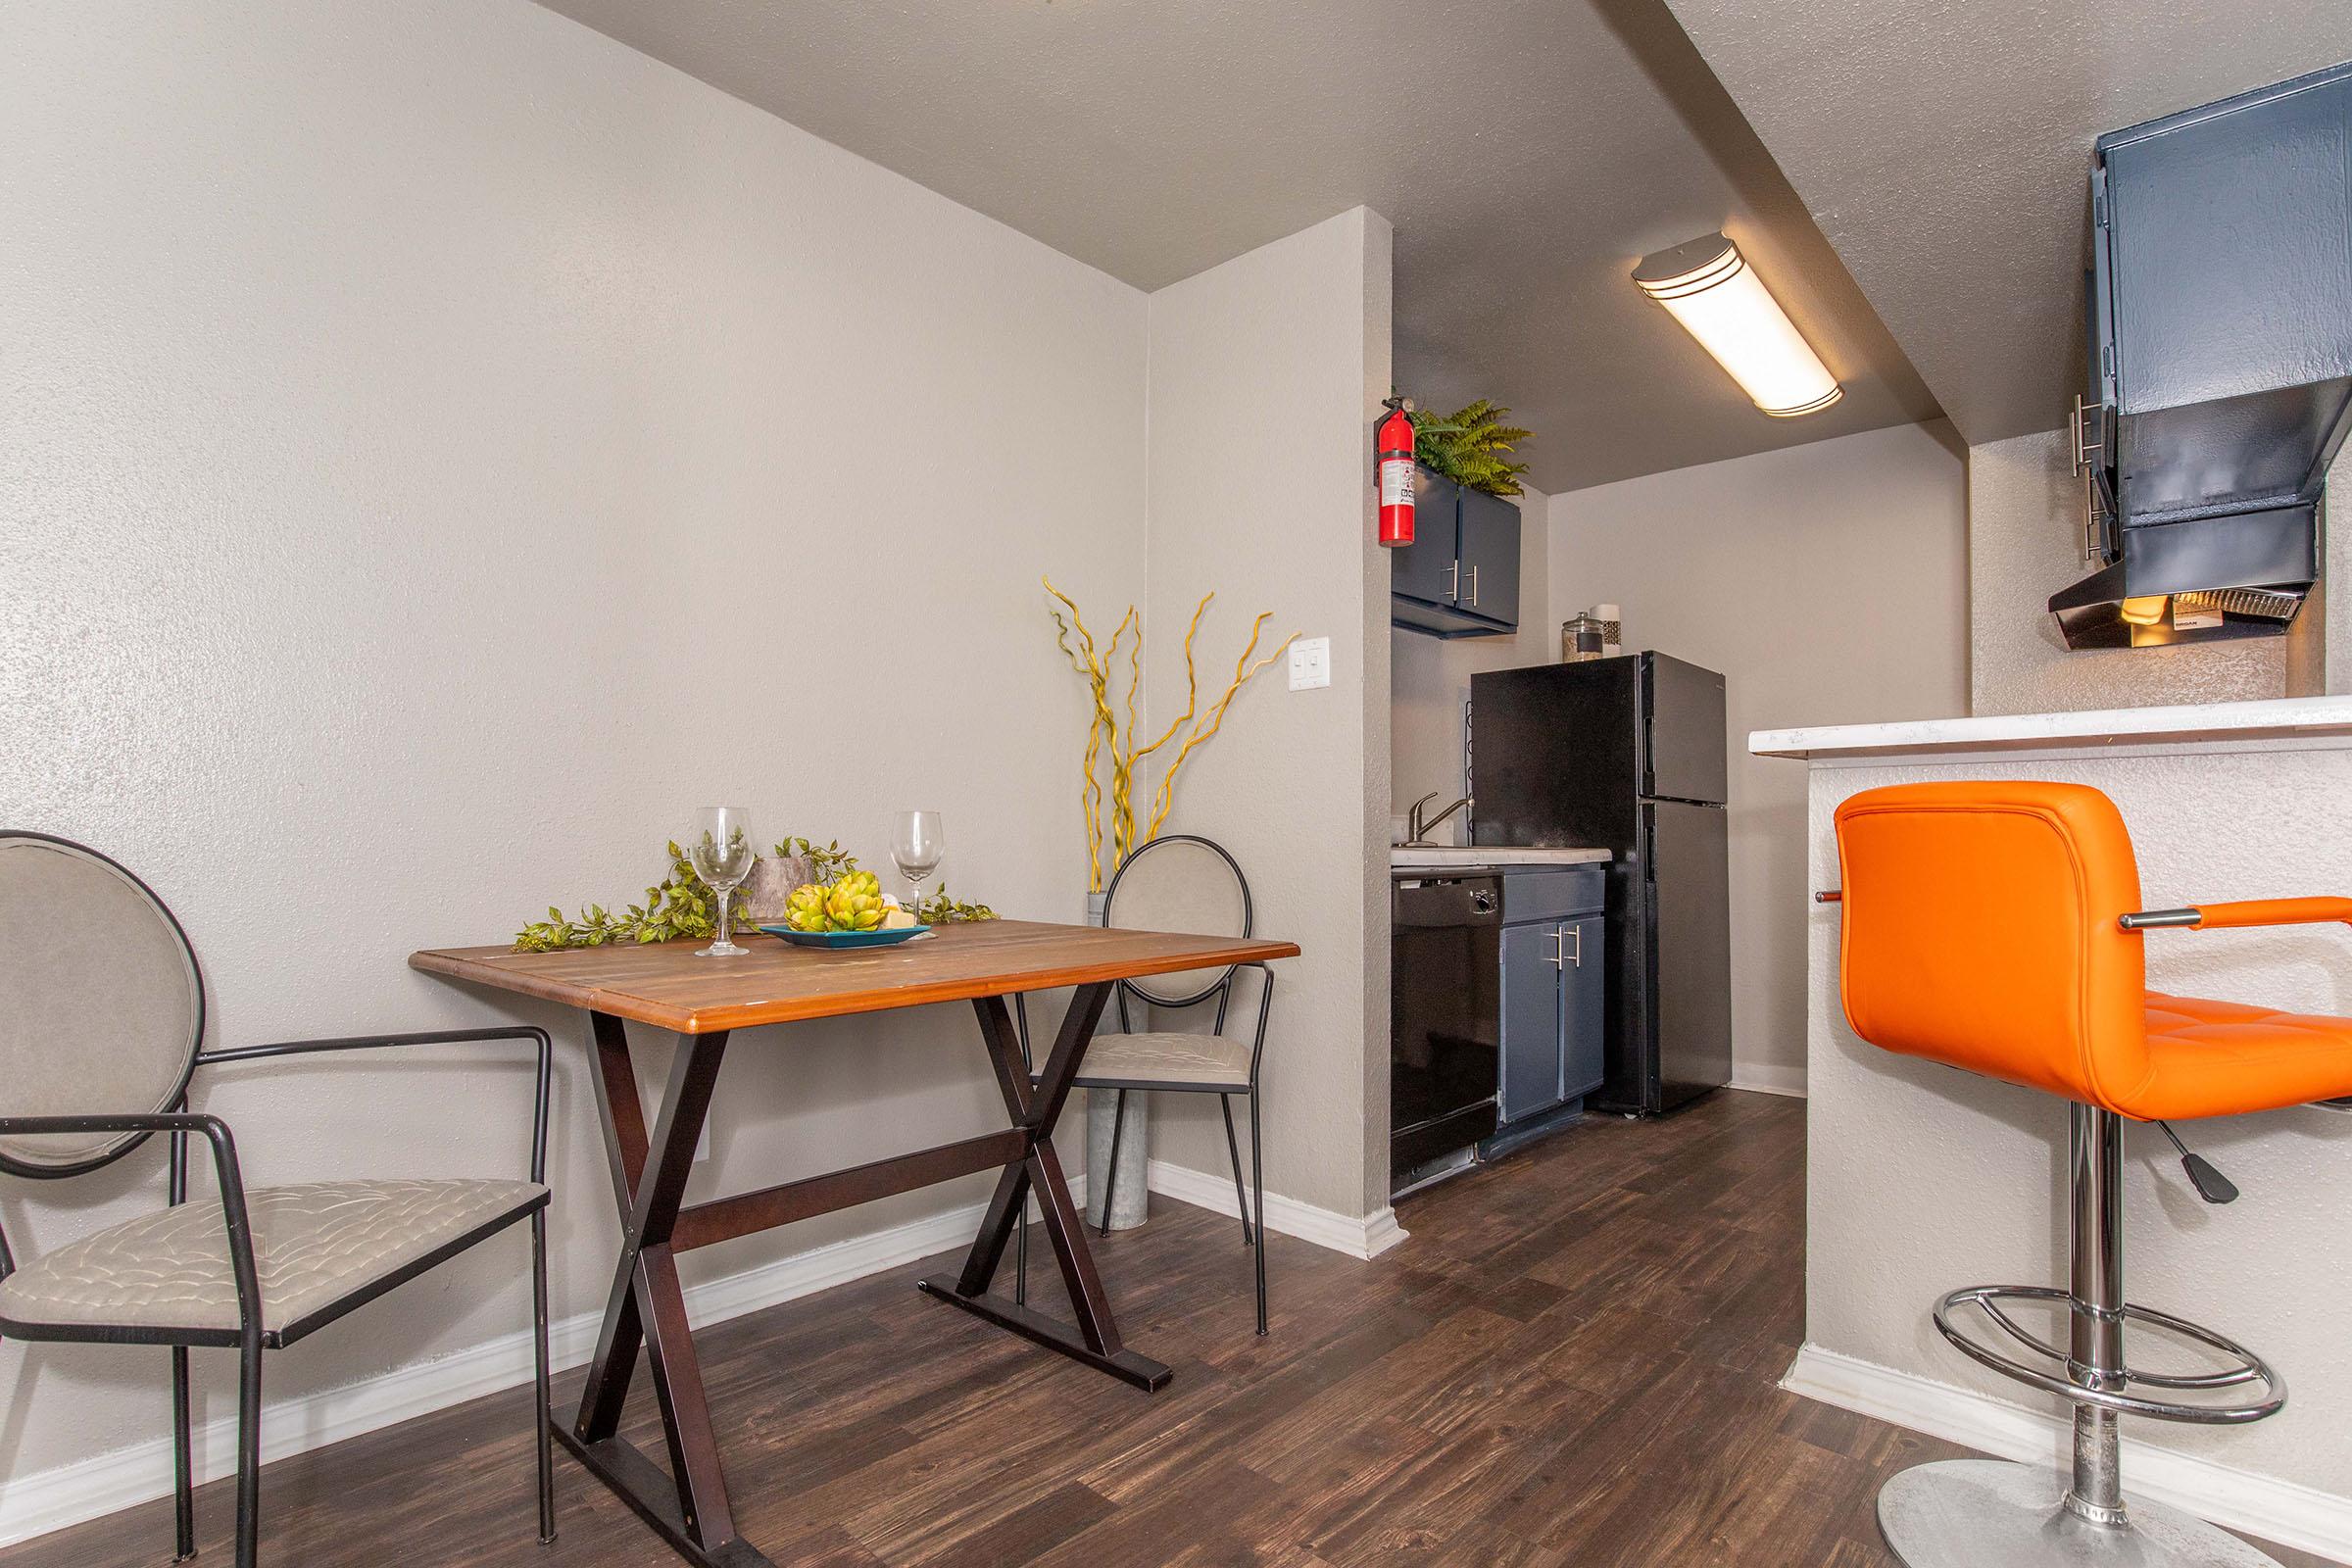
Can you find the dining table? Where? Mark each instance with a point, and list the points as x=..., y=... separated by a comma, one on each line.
x=705, y=1001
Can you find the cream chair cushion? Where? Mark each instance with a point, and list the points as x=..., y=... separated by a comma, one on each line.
x=1171, y=1058
x=313, y=1244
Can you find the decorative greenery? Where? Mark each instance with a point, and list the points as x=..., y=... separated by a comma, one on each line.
x=825, y=862
x=685, y=905
x=1472, y=447
x=1103, y=727
x=939, y=909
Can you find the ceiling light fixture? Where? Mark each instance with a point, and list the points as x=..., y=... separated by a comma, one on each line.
x=1708, y=286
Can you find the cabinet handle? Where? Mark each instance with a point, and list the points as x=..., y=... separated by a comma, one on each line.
x=1453, y=579
x=1474, y=585
x=1559, y=948
x=1578, y=957
x=2087, y=451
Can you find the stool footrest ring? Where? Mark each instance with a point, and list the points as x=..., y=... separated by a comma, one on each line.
x=2248, y=1369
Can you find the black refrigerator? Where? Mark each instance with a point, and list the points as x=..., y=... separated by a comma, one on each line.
x=1627, y=754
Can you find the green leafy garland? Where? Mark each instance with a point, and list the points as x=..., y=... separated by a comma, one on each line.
x=685, y=905
x=1472, y=447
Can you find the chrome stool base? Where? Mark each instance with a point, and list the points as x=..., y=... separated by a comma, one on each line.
x=1989, y=1513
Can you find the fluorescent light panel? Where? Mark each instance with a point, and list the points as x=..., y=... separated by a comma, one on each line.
x=1708, y=287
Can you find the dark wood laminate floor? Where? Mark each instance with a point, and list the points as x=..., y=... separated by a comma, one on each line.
x=1572, y=1360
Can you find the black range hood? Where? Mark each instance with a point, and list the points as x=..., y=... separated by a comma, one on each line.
x=2221, y=366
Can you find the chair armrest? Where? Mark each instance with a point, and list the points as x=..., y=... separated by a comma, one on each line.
x=429, y=1036
x=2244, y=912
x=1265, y=1010
x=225, y=1165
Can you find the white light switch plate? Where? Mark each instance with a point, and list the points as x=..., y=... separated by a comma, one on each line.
x=1310, y=664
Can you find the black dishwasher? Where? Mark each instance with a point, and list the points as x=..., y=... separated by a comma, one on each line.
x=1446, y=1038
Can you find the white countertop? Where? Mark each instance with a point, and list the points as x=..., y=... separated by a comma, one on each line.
x=1467, y=856
x=2285, y=720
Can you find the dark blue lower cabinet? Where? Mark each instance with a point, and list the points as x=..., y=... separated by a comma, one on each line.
x=1531, y=1020
x=1584, y=1055
x=1553, y=974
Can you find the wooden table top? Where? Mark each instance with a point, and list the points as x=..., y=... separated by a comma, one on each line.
x=664, y=983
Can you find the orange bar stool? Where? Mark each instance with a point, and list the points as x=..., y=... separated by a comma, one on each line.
x=1996, y=928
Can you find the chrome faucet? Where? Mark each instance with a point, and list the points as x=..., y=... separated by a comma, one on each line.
x=1417, y=827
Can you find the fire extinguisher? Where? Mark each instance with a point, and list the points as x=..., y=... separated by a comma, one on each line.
x=1393, y=448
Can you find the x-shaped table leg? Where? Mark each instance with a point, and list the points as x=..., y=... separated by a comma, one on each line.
x=645, y=1307
x=1035, y=1111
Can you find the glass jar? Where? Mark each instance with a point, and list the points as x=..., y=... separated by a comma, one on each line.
x=1579, y=639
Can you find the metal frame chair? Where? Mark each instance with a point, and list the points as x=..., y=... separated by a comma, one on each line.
x=252, y=1334
x=1166, y=991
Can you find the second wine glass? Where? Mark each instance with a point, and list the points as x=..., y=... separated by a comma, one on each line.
x=917, y=845
x=721, y=849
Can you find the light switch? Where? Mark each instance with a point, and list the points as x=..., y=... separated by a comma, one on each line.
x=1310, y=664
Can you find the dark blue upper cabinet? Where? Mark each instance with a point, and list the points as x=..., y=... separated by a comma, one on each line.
x=2222, y=297
x=1460, y=577
x=1489, y=558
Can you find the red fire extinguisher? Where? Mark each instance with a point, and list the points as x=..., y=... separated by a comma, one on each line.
x=1393, y=448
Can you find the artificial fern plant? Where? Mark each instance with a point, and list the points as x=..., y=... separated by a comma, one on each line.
x=1472, y=447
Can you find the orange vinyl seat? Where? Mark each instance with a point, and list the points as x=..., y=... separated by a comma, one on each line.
x=1984, y=928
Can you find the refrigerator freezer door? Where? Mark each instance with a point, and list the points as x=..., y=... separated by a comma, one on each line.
x=1689, y=877
x=1684, y=754
x=1557, y=755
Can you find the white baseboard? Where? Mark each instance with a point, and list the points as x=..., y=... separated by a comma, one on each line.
x=1770, y=1078
x=1368, y=1237
x=103, y=1484
x=2281, y=1512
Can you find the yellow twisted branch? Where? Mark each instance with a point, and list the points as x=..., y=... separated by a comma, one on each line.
x=1191, y=681
x=1104, y=729
x=1122, y=806
x=1243, y=670
x=1090, y=796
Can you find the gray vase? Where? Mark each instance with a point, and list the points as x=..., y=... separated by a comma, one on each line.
x=1131, y=1193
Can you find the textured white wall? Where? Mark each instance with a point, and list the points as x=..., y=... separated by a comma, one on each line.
x=1266, y=372
x=1921, y=1180
x=1826, y=581
x=439, y=448
x=1429, y=679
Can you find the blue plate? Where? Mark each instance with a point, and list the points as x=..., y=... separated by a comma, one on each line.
x=846, y=939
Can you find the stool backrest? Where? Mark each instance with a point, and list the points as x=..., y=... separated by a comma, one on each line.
x=101, y=1003
x=1979, y=931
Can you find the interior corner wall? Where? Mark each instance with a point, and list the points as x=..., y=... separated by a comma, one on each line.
x=1430, y=676
x=1828, y=584
x=2024, y=544
x=1265, y=374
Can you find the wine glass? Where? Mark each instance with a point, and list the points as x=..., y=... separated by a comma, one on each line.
x=721, y=849
x=915, y=849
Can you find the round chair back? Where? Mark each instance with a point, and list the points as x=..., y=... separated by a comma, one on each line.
x=101, y=1004
x=1981, y=931
x=1179, y=882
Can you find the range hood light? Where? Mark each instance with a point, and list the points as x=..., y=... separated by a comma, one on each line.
x=1708, y=287
x=2145, y=611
